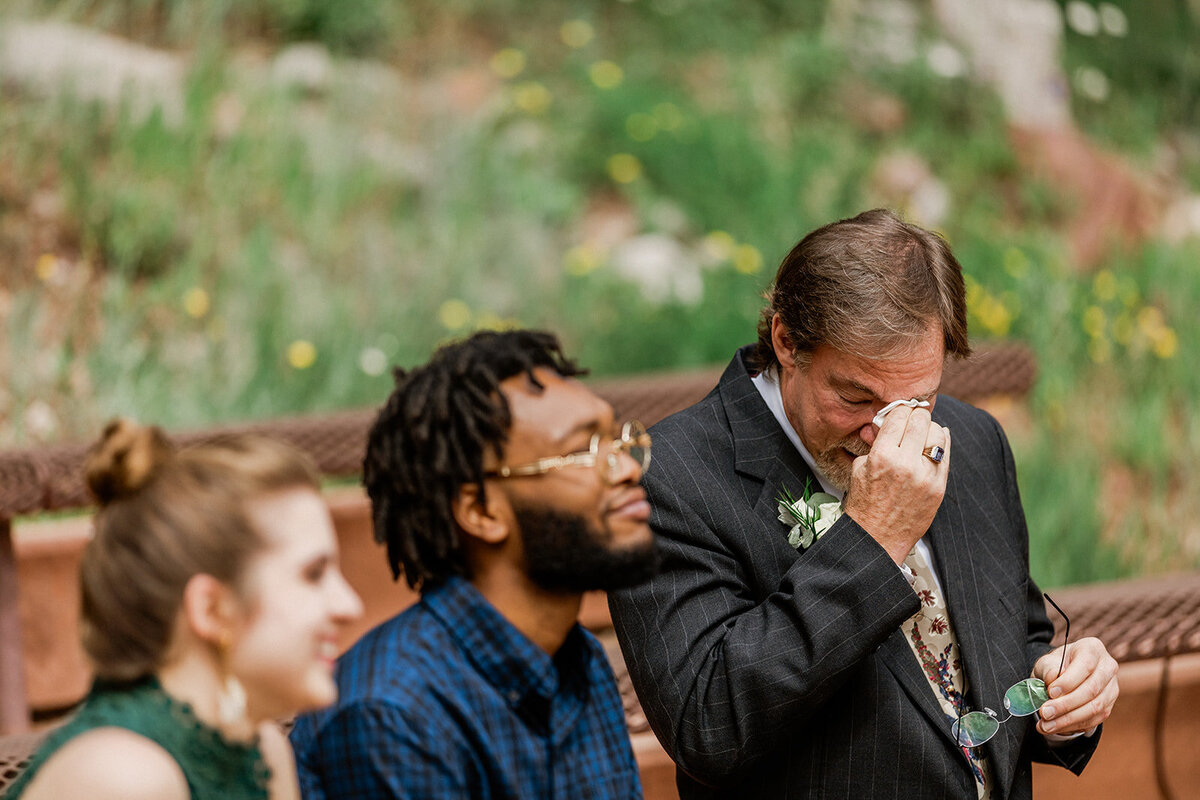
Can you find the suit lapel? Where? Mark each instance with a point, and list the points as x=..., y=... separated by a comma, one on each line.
x=972, y=616
x=898, y=654
x=790, y=471
x=762, y=450
x=956, y=570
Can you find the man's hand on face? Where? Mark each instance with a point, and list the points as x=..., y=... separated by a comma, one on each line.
x=1083, y=694
x=895, y=490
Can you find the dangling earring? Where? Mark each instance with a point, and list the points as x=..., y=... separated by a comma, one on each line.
x=231, y=701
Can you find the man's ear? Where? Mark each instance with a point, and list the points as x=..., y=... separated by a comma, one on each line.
x=782, y=343
x=484, y=521
x=209, y=607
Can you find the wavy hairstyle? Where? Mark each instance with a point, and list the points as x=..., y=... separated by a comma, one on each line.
x=869, y=286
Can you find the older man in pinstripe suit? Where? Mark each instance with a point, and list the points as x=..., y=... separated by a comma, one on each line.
x=771, y=668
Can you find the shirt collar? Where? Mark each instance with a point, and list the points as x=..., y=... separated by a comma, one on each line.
x=503, y=655
x=767, y=383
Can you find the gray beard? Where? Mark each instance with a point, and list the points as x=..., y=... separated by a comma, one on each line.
x=835, y=470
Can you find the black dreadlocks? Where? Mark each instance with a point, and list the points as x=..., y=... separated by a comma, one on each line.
x=430, y=439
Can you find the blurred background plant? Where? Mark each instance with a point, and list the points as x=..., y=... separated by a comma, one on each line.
x=219, y=211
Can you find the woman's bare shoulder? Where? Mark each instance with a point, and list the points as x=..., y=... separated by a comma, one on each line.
x=106, y=764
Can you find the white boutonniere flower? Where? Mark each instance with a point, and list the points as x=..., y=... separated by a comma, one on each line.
x=809, y=516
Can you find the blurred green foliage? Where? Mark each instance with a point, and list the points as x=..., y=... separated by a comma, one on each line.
x=1151, y=75
x=277, y=249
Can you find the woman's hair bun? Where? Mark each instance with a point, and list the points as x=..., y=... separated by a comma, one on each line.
x=124, y=459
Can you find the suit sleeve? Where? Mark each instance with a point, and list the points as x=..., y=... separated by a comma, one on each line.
x=726, y=668
x=1073, y=755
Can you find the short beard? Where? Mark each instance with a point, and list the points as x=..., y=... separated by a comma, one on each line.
x=831, y=465
x=563, y=553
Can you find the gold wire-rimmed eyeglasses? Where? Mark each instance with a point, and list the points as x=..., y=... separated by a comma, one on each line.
x=1022, y=699
x=604, y=454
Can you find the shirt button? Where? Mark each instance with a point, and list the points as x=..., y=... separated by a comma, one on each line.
x=514, y=696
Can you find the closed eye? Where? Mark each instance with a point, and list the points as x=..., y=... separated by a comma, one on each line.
x=315, y=570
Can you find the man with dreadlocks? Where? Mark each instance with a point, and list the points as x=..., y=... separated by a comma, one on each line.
x=503, y=492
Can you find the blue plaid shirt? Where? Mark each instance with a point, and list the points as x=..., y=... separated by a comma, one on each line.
x=448, y=699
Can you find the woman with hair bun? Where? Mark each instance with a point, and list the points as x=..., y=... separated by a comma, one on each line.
x=212, y=604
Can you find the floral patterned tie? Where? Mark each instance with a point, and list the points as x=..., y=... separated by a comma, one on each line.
x=931, y=637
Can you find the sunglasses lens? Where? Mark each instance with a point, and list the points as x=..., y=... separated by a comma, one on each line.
x=1025, y=697
x=973, y=729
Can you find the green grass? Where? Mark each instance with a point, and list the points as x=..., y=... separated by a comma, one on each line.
x=212, y=272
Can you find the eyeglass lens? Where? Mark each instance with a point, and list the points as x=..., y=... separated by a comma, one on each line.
x=635, y=442
x=1022, y=699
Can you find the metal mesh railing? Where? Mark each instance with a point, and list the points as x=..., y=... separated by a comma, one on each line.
x=50, y=478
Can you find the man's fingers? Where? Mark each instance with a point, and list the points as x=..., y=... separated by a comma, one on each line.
x=1047, y=668
x=1083, y=695
x=892, y=430
x=916, y=432
x=1083, y=659
x=895, y=490
x=910, y=430
x=1084, y=717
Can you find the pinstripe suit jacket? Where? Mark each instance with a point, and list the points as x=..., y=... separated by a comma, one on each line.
x=768, y=672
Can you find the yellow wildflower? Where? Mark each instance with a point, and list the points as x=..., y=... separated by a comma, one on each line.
x=606, y=74
x=532, y=97
x=747, y=259
x=624, y=168
x=1094, y=321
x=46, y=267
x=994, y=315
x=582, y=259
x=195, y=302
x=1150, y=321
x=301, y=354
x=454, y=314
x=508, y=63
x=1166, y=345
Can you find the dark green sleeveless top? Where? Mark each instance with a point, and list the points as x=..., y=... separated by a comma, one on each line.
x=215, y=768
